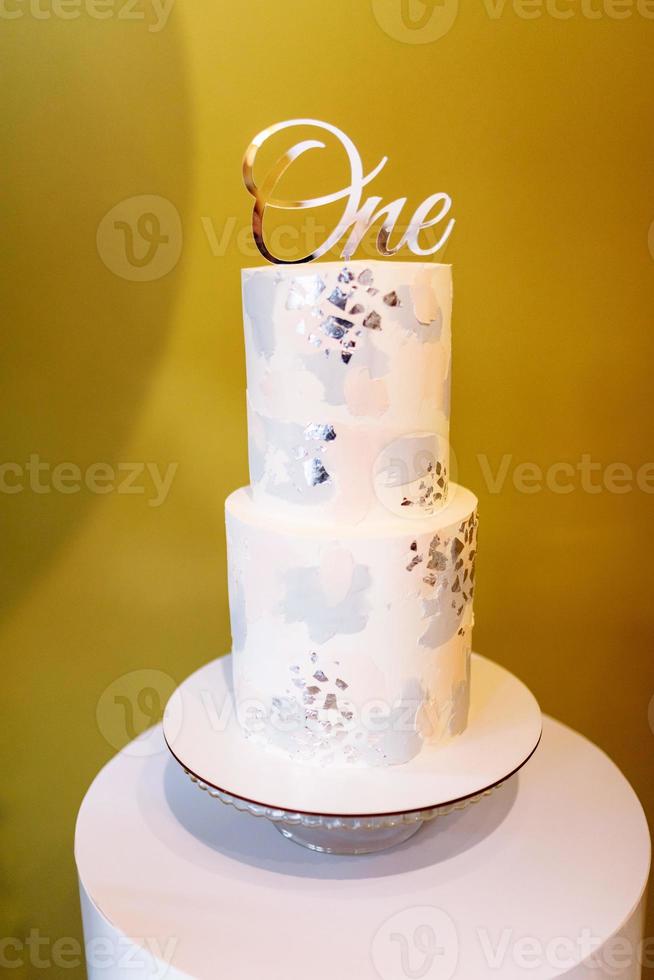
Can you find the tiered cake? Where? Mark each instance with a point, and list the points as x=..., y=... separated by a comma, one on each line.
x=351, y=556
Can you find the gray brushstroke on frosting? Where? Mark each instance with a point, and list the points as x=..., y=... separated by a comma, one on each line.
x=401, y=741
x=405, y=315
x=442, y=617
x=373, y=358
x=258, y=300
x=332, y=372
x=283, y=435
x=305, y=602
x=256, y=460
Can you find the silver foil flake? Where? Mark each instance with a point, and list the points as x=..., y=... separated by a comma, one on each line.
x=294, y=670
x=373, y=321
x=347, y=350
x=330, y=702
x=313, y=690
x=315, y=472
x=286, y=708
x=341, y=684
x=339, y=298
x=336, y=326
x=319, y=432
x=392, y=299
x=314, y=340
x=366, y=277
x=437, y=560
x=416, y=560
x=304, y=291
x=294, y=300
x=345, y=275
x=444, y=613
x=356, y=309
x=320, y=676
x=432, y=489
x=314, y=658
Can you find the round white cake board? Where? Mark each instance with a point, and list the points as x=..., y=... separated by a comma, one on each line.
x=203, y=734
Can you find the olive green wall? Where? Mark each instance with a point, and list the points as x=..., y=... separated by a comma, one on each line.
x=539, y=125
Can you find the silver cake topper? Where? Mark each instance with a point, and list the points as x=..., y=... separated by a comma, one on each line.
x=357, y=217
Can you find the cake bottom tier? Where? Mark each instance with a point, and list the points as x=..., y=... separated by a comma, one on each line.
x=351, y=644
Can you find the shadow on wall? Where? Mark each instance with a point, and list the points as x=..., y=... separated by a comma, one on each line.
x=98, y=111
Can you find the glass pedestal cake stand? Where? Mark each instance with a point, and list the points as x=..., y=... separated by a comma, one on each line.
x=341, y=835
x=351, y=810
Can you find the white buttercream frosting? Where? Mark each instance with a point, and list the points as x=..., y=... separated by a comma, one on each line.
x=352, y=643
x=351, y=556
x=361, y=351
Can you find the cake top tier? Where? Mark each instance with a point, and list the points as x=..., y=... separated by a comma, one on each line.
x=343, y=360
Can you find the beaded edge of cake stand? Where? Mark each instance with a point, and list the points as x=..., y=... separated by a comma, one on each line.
x=315, y=821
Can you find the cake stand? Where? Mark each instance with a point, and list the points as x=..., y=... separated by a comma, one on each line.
x=345, y=810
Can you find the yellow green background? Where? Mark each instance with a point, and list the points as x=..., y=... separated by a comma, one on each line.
x=541, y=130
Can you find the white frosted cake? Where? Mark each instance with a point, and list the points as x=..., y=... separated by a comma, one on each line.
x=351, y=556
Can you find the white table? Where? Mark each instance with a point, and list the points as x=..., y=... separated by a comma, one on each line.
x=546, y=878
